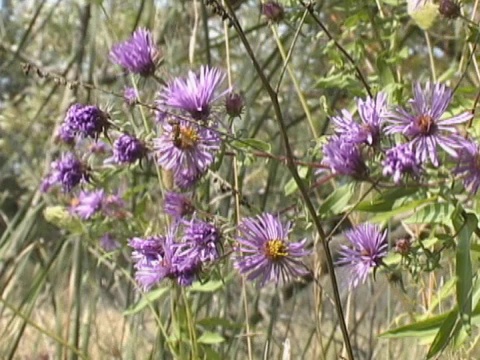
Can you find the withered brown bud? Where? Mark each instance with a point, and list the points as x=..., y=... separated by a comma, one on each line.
x=234, y=103
x=449, y=9
x=402, y=246
x=273, y=11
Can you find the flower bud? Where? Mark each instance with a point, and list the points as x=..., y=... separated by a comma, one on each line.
x=273, y=11
x=234, y=103
x=449, y=9
x=402, y=246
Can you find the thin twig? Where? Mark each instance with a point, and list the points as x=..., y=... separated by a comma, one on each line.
x=360, y=76
x=293, y=170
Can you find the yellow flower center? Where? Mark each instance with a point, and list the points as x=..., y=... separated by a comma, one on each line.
x=74, y=201
x=425, y=123
x=185, y=137
x=276, y=249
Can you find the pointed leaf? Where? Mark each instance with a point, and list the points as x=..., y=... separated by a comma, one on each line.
x=147, y=299
x=337, y=201
x=446, y=332
x=463, y=266
x=437, y=213
x=210, y=338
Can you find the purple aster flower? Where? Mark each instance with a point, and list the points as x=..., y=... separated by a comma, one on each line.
x=66, y=134
x=267, y=253
x=86, y=120
x=138, y=54
x=153, y=260
x=177, y=205
x=469, y=166
x=159, y=257
x=130, y=96
x=369, y=247
x=344, y=157
x=87, y=204
x=200, y=242
x=108, y=242
x=372, y=113
x=67, y=171
x=195, y=93
x=423, y=125
x=127, y=149
x=186, y=149
x=400, y=161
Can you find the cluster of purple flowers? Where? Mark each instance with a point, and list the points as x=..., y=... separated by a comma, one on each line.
x=422, y=126
x=425, y=131
x=180, y=255
x=264, y=252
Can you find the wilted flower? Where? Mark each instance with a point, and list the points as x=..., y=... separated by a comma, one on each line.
x=177, y=205
x=87, y=204
x=469, y=166
x=424, y=126
x=130, y=96
x=138, y=54
x=195, y=93
x=372, y=113
x=344, y=157
x=127, y=149
x=67, y=171
x=85, y=120
x=369, y=247
x=267, y=254
x=400, y=161
x=108, y=242
x=186, y=149
x=98, y=147
x=114, y=206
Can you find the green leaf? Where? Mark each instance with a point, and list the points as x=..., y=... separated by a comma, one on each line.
x=446, y=332
x=255, y=144
x=218, y=321
x=438, y=213
x=386, y=216
x=146, y=300
x=208, y=287
x=427, y=327
x=386, y=201
x=419, y=329
x=210, y=338
x=465, y=225
x=291, y=186
x=336, y=202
